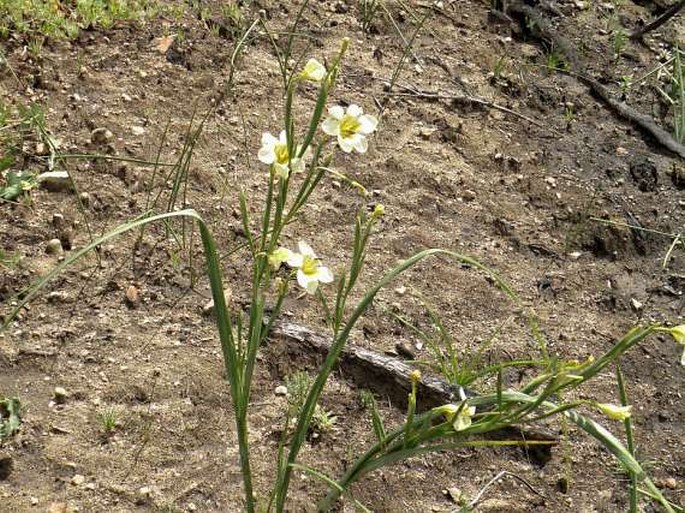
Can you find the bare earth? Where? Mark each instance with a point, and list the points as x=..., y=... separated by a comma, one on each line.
x=516, y=190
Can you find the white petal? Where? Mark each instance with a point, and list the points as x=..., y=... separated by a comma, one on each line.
x=314, y=70
x=297, y=165
x=367, y=124
x=266, y=155
x=360, y=143
x=295, y=260
x=283, y=138
x=307, y=153
x=354, y=110
x=309, y=283
x=305, y=249
x=268, y=139
x=336, y=112
x=324, y=275
x=331, y=126
x=282, y=170
x=346, y=144
x=461, y=422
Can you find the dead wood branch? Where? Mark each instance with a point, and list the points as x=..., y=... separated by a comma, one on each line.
x=545, y=31
x=660, y=20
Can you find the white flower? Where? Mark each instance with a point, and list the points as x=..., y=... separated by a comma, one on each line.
x=274, y=152
x=313, y=70
x=310, y=272
x=459, y=415
x=615, y=412
x=350, y=127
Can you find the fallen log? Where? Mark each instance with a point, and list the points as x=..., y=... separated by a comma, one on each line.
x=389, y=377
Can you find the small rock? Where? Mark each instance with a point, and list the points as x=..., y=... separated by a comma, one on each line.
x=57, y=220
x=55, y=181
x=281, y=390
x=60, y=396
x=644, y=173
x=58, y=296
x=101, y=136
x=208, y=308
x=57, y=507
x=455, y=494
x=137, y=130
x=401, y=291
x=405, y=350
x=54, y=247
x=6, y=465
x=426, y=132
x=669, y=483
x=132, y=296
x=636, y=305
x=575, y=255
x=34, y=501
x=468, y=195
x=78, y=480
x=144, y=494
x=85, y=199
x=126, y=97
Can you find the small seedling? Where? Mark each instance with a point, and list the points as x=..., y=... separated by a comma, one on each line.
x=10, y=416
x=109, y=421
x=618, y=42
x=367, y=13
x=298, y=386
x=16, y=184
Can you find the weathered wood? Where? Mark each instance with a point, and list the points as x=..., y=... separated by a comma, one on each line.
x=389, y=377
x=659, y=21
x=543, y=30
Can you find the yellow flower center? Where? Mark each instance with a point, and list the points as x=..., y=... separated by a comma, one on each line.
x=349, y=126
x=309, y=265
x=281, y=151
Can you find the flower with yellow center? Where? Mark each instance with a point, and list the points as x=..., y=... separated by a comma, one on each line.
x=310, y=272
x=313, y=71
x=350, y=126
x=678, y=334
x=274, y=152
x=615, y=412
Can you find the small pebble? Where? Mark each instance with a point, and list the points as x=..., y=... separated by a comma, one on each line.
x=281, y=390
x=85, y=199
x=55, y=181
x=60, y=396
x=468, y=195
x=57, y=220
x=137, y=130
x=132, y=296
x=101, y=136
x=54, y=247
x=78, y=480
